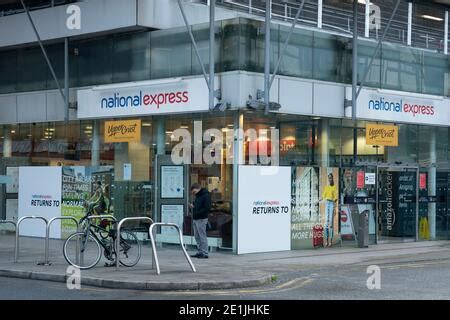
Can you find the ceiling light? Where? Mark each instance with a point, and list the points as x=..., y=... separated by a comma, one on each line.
x=184, y=127
x=425, y=16
x=169, y=132
x=146, y=124
x=13, y=131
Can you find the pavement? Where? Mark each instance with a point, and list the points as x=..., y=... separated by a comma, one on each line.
x=223, y=270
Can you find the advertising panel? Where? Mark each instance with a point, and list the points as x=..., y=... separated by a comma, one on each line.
x=144, y=98
x=122, y=131
x=264, y=209
x=381, y=135
x=40, y=195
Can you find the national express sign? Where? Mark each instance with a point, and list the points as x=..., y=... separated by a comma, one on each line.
x=375, y=105
x=143, y=98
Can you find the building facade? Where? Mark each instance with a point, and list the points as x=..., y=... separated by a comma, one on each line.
x=135, y=61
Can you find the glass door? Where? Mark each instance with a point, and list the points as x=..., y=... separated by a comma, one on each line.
x=358, y=196
x=397, y=204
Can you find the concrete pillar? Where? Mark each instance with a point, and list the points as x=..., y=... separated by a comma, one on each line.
x=95, y=152
x=7, y=143
x=238, y=158
x=432, y=183
x=160, y=136
x=367, y=20
x=324, y=143
x=319, y=13
x=410, y=9
x=446, y=33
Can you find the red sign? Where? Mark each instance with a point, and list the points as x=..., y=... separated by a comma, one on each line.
x=423, y=181
x=360, y=176
x=344, y=217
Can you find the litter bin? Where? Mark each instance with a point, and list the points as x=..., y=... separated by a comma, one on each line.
x=363, y=229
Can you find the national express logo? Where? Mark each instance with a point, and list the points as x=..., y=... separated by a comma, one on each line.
x=400, y=106
x=141, y=99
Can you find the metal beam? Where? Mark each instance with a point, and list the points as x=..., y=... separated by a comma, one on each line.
x=189, y=29
x=212, y=8
x=66, y=79
x=43, y=50
x=355, y=58
x=286, y=43
x=377, y=49
x=267, y=57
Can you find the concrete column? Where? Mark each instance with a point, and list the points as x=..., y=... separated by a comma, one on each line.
x=238, y=158
x=319, y=13
x=410, y=9
x=324, y=142
x=160, y=136
x=446, y=33
x=432, y=183
x=367, y=20
x=7, y=143
x=95, y=152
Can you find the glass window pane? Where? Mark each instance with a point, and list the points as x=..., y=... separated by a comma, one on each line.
x=131, y=57
x=170, y=53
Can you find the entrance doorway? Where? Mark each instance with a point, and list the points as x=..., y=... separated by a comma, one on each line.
x=397, y=203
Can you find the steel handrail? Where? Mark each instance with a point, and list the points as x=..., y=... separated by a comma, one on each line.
x=16, y=251
x=155, y=255
x=47, y=234
x=117, y=242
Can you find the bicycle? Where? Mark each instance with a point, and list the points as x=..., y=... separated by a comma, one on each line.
x=82, y=249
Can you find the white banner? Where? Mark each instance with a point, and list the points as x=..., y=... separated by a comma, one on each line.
x=378, y=105
x=144, y=98
x=264, y=209
x=40, y=195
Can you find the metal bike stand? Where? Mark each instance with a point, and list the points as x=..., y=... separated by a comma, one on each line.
x=158, y=271
x=16, y=251
x=119, y=226
x=47, y=236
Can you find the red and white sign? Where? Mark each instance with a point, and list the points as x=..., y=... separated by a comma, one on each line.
x=346, y=221
x=402, y=107
x=144, y=98
x=360, y=177
x=423, y=181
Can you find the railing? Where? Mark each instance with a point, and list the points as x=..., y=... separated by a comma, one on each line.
x=155, y=254
x=119, y=226
x=47, y=235
x=16, y=250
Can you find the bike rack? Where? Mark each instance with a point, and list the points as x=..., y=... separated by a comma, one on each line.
x=118, y=236
x=155, y=255
x=47, y=235
x=16, y=251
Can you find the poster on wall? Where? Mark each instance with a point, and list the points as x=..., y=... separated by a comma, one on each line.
x=172, y=214
x=172, y=182
x=305, y=206
x=315, y=202
x=264, y=209
x=79, y=186
x=12, y=187
x=40, y=195
x=329, y=204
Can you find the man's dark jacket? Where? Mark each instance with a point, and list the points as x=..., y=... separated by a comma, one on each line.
x=202, y=204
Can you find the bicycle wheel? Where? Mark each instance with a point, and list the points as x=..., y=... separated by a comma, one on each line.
x=129, y=249
x=87, y=249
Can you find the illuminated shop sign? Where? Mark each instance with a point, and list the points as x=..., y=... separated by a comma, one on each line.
x=144, y=98
x=377, y=106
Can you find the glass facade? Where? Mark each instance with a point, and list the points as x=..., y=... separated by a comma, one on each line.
x=239, y=46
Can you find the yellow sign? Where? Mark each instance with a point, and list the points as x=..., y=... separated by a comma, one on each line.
x=122, y=131
x=382, y=135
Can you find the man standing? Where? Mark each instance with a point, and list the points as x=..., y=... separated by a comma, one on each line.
x=200, y=210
